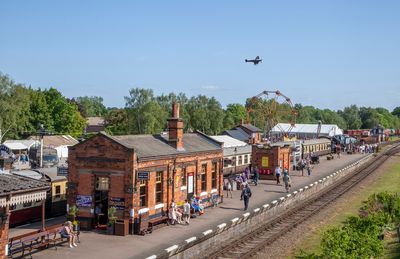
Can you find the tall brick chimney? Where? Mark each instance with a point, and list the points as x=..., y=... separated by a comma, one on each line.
x=175, y=128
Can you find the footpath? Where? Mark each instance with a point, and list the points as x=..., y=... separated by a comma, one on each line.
x=98, y=245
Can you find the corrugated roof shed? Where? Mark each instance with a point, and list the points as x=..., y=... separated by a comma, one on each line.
x=326, y=129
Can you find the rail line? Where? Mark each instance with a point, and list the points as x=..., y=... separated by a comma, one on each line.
x=253, y=242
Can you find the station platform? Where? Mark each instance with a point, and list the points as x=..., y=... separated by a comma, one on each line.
x=96, y=245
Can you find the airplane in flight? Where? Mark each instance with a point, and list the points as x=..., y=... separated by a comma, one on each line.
x=255, y=61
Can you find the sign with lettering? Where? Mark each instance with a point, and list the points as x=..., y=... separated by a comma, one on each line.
x=84, y=201
x=264, y=161
x=190, y=183
x=118, y=203
x=143, y=175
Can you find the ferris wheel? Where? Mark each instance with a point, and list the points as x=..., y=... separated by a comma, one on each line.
x=272, y=107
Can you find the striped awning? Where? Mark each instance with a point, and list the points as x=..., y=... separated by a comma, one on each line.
x=23, y=198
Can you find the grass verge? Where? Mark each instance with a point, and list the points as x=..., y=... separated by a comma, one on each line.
x=388, y=180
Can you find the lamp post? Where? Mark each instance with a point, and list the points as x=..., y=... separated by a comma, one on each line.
x=235, y=151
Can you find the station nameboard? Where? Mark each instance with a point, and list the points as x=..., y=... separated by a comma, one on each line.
x=143, y=175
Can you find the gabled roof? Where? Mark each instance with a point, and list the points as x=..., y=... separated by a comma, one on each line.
x=147, y=146
x=229, y=141
x=14, y=183
x=57, y=140
x=250, y=127
x=327, y=129
x=95, y=121
x=238, y=134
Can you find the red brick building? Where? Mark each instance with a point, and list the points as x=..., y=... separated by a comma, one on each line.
x=267, y=158
x=143, y=173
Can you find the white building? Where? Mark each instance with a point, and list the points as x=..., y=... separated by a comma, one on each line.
x=306, y=131
x=237, y=154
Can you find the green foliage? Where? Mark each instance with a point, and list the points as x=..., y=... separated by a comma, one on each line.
x=23, y=109
x=111, y=215
x=91, y=106
x=358, y=237
x=234, y=114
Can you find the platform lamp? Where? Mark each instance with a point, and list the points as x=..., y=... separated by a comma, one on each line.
x=235, y=158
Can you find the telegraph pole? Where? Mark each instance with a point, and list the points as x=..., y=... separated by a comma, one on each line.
x=41, y=134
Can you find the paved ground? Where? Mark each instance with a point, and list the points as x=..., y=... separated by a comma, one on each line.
x=97, y=245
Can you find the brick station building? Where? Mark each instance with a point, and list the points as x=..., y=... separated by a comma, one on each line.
x=268, y=157
x=143, y=173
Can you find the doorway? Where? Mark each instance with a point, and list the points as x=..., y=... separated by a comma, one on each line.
x=190, y=184
x=101, y=200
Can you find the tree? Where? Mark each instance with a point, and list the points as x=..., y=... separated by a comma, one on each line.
x=396, y=111
x=117, y=122
x=234, y=114
x=66, y=117
x=352, y=117
x=91, y=106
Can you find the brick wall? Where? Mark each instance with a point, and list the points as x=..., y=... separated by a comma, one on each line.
x=3, y=236
x=274, y=155
x=102, y=156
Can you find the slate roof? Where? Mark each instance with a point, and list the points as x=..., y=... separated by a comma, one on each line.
x=147, y=146
x=250, y=127
x=238, y=134
x=13, y=183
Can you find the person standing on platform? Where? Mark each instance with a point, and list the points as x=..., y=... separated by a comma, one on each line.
x=256, y=175
x=286, y=180
x=228, y=187
x=278, y=172
x=186, y=212
x=245, y=196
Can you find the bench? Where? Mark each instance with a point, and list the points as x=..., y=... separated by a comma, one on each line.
x=15, y=244
x=157, y=221
x=35, y=241
x=55, y=234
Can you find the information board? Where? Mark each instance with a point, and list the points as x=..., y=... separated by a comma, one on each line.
x=264, y=161
x=84, y=201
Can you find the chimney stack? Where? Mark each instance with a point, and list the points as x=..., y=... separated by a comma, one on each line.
x=175, y=128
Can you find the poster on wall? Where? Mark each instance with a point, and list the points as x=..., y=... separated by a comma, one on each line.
x=190, y=183
x=264, y=161
x=118, y=203
x=84, y=201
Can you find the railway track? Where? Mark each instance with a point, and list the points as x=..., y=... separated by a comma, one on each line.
x=253, y=242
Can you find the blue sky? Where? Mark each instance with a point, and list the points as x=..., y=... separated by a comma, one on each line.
x=329, y=54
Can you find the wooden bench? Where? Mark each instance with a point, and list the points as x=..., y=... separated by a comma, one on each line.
x=15, y=244
x=35, y=241
x=157, y=221
x=55, y=234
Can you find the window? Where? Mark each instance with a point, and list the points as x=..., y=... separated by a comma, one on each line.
x=102, y=183
x=143, y=193
x=227, y=162
x=183, y=177
x=204, y=177
x=240, y=160
x=159, y=187
x=246, y=159
x=214, y=175
x=58, y=191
